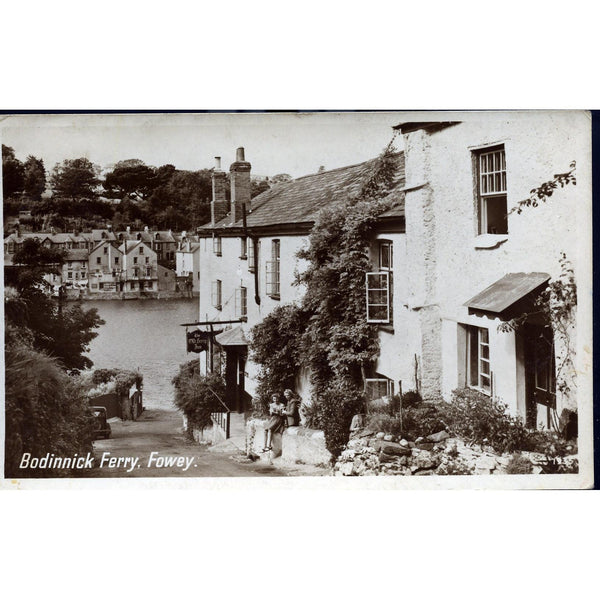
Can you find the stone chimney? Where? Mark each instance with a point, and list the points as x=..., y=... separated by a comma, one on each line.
x=240, y=185
x=218, y=206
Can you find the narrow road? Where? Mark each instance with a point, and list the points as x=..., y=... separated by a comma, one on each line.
x=154, y=446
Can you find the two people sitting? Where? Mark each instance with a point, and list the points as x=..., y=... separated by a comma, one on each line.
x=281, y=415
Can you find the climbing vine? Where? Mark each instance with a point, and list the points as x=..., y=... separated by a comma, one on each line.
x=543, y=192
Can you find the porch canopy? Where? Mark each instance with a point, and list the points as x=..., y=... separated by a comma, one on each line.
x=232, y=337
x=510, y=296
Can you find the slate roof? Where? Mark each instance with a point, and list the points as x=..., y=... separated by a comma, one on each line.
x=300, y=201
x=76, y=254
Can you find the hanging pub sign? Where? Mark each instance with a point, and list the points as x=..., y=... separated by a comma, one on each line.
x=197, y=341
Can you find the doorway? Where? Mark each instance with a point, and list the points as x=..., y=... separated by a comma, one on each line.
x=540, y=373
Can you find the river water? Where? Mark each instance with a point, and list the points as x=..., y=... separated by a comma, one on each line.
x=144, y=335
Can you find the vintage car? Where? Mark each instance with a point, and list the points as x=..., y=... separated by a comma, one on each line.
x=102, y=429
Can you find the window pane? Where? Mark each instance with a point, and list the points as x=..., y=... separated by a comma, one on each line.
x=484, y=184
x=485, y=352
x=473, y=357
x=484, y=367
x=377, y=313
x=497, y=221
x=378, y=297
x=484, y=335
x=485, y=383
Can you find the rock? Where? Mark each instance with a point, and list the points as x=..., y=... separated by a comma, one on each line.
x=388, y=438
x=380, y=435
x=412, y=445
x=425, y=446
x=376, y=444
x=346, y=468
x=404, y=443
x=394, y=449
x=365, y=433
x=425, y=460
x=419, y=439
x=402, y=461
x=425, y=472
x=440, y=436
x=485, y=464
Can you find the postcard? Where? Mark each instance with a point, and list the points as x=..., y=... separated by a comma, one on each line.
x=381, y=300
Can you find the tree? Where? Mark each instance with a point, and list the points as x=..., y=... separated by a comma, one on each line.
x=64, y=333
x=281, y=178
x=35, y=177
x=258, y=187
x=130, y=178
x=75, y=178
x=13, y=173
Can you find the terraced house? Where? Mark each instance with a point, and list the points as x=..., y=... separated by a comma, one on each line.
x=248, y=260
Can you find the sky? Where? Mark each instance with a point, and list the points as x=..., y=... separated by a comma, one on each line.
x=297, y=144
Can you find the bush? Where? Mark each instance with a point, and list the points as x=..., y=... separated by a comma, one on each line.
x=411, y=399
x=479, y=419
x=197, y=395
x=46, y=412
x=423, y=419
x=386, y=423
x=332, y=412
x=519, y=465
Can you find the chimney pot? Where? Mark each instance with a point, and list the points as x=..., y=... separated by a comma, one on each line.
x=239, y=155
x=217, y=163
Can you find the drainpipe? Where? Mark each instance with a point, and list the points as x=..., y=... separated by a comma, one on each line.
x=255, y=258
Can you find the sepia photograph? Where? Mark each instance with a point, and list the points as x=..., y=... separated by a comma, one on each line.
x=402, y=299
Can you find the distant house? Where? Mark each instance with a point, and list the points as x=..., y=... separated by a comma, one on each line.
x=105, y=268
x=187, y=266
x=140, y=267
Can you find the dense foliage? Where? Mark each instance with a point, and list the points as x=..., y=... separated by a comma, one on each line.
x=196, y=395
x=45, y=411
x=64, y=332
x=75, y=178
x=277, y=344
x=332, y=412
x=123, y=379
x=13, y=173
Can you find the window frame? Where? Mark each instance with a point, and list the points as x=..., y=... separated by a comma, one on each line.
x=483, y=177
x=241, y=302
x=371, y=288
x=379, y=380
x=273, y=271
x=216, y=294
x=480, y=375
x=250, y=252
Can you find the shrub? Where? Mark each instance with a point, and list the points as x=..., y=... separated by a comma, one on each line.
x=333, y=411
x=479, y=419
x=46, y=412
x=423, y=419
x=519, y=465
x=197, y=395
x=386, y=423
x=411, y=398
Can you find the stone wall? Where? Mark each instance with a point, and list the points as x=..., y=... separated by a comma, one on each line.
x=297, y=445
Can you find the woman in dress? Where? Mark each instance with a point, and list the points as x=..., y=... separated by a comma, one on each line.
x=276, y=422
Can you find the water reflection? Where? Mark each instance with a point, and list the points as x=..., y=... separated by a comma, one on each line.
x=144, y=334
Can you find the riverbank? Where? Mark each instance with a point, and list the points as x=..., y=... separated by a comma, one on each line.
x=160, y=295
